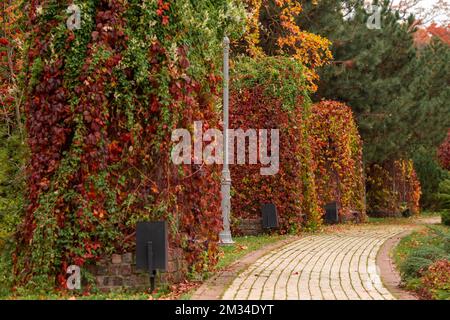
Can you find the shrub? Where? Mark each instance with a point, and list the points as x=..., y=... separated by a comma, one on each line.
x=273, y=29
x=436, y=280
x=445, y=217
x=392, y=188
x=440, y=237
x=429, y=252
x=430, y=175
x=12, y=157
x=424, y=262
x=443, y=195
x=414, y=266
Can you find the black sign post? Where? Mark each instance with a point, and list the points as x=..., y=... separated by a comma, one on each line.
x=151, y=248
x=269, y=216
x=332, y=213
x=151, y=268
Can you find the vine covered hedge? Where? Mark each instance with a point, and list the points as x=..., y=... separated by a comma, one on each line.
x=11, y=37
x=337, y=149
x=392, y=188
x=271, y=93
x=101, y=104
x=320, y=147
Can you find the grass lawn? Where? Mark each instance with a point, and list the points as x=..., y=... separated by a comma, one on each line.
x=402, y=220
x=99, y=296
x=178, y=292
x=423, y=259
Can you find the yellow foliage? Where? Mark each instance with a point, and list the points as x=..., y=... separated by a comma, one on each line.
x=310, y=49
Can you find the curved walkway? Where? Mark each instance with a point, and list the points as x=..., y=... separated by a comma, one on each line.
x=324, y=266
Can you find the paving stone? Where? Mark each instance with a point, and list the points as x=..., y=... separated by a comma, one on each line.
x=327, y=266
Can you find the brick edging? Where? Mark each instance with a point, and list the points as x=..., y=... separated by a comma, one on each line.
x=390, y=277
x=214, y=288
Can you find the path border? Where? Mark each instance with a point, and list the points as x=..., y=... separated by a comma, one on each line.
x=390, y=277
x=215, y=287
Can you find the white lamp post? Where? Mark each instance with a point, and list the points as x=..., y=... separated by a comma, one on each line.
x=225, y=234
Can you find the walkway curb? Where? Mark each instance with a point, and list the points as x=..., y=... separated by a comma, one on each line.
x=388, y=272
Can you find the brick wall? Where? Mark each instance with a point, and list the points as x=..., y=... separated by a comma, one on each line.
x=250, y=227
x=119, y=272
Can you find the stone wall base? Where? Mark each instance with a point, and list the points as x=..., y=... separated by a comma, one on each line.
x=119, y=272
x=250, y=227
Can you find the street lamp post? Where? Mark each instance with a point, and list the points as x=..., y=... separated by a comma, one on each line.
x=225, y=234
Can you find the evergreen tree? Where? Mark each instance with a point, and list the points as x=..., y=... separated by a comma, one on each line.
x=397, y=92
x=430, y=175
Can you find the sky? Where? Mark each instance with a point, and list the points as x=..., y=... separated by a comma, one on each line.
x=427, y=5
x=424, y=3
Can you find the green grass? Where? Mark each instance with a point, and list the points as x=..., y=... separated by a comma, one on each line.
x=243, y=246
x=416, y=240
x=99, y=296
x=115, y=295
x=390, y=220
x=416, y=253
x=430, y=213
x=402, y=220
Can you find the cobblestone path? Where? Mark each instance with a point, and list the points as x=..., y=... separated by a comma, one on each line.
x=325, y=266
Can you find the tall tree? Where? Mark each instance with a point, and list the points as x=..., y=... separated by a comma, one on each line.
x=397, y=92
x=273, y=29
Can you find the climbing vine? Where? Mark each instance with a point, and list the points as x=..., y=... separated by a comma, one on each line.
x=393, y=188
x=337, y=147
x=11, y=42
x=101, y=104
x=271, y=93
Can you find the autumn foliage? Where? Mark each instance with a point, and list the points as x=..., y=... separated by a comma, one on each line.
x=101, y=104
x=392, y=188
x=423, y=36
x=269, y=93
x=273, y=30
x=436, y=280
x=11, y=37
x=338, y=167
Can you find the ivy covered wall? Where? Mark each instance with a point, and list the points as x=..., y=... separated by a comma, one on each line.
x=101, y=102
x=338, y=162
x=272, y=93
